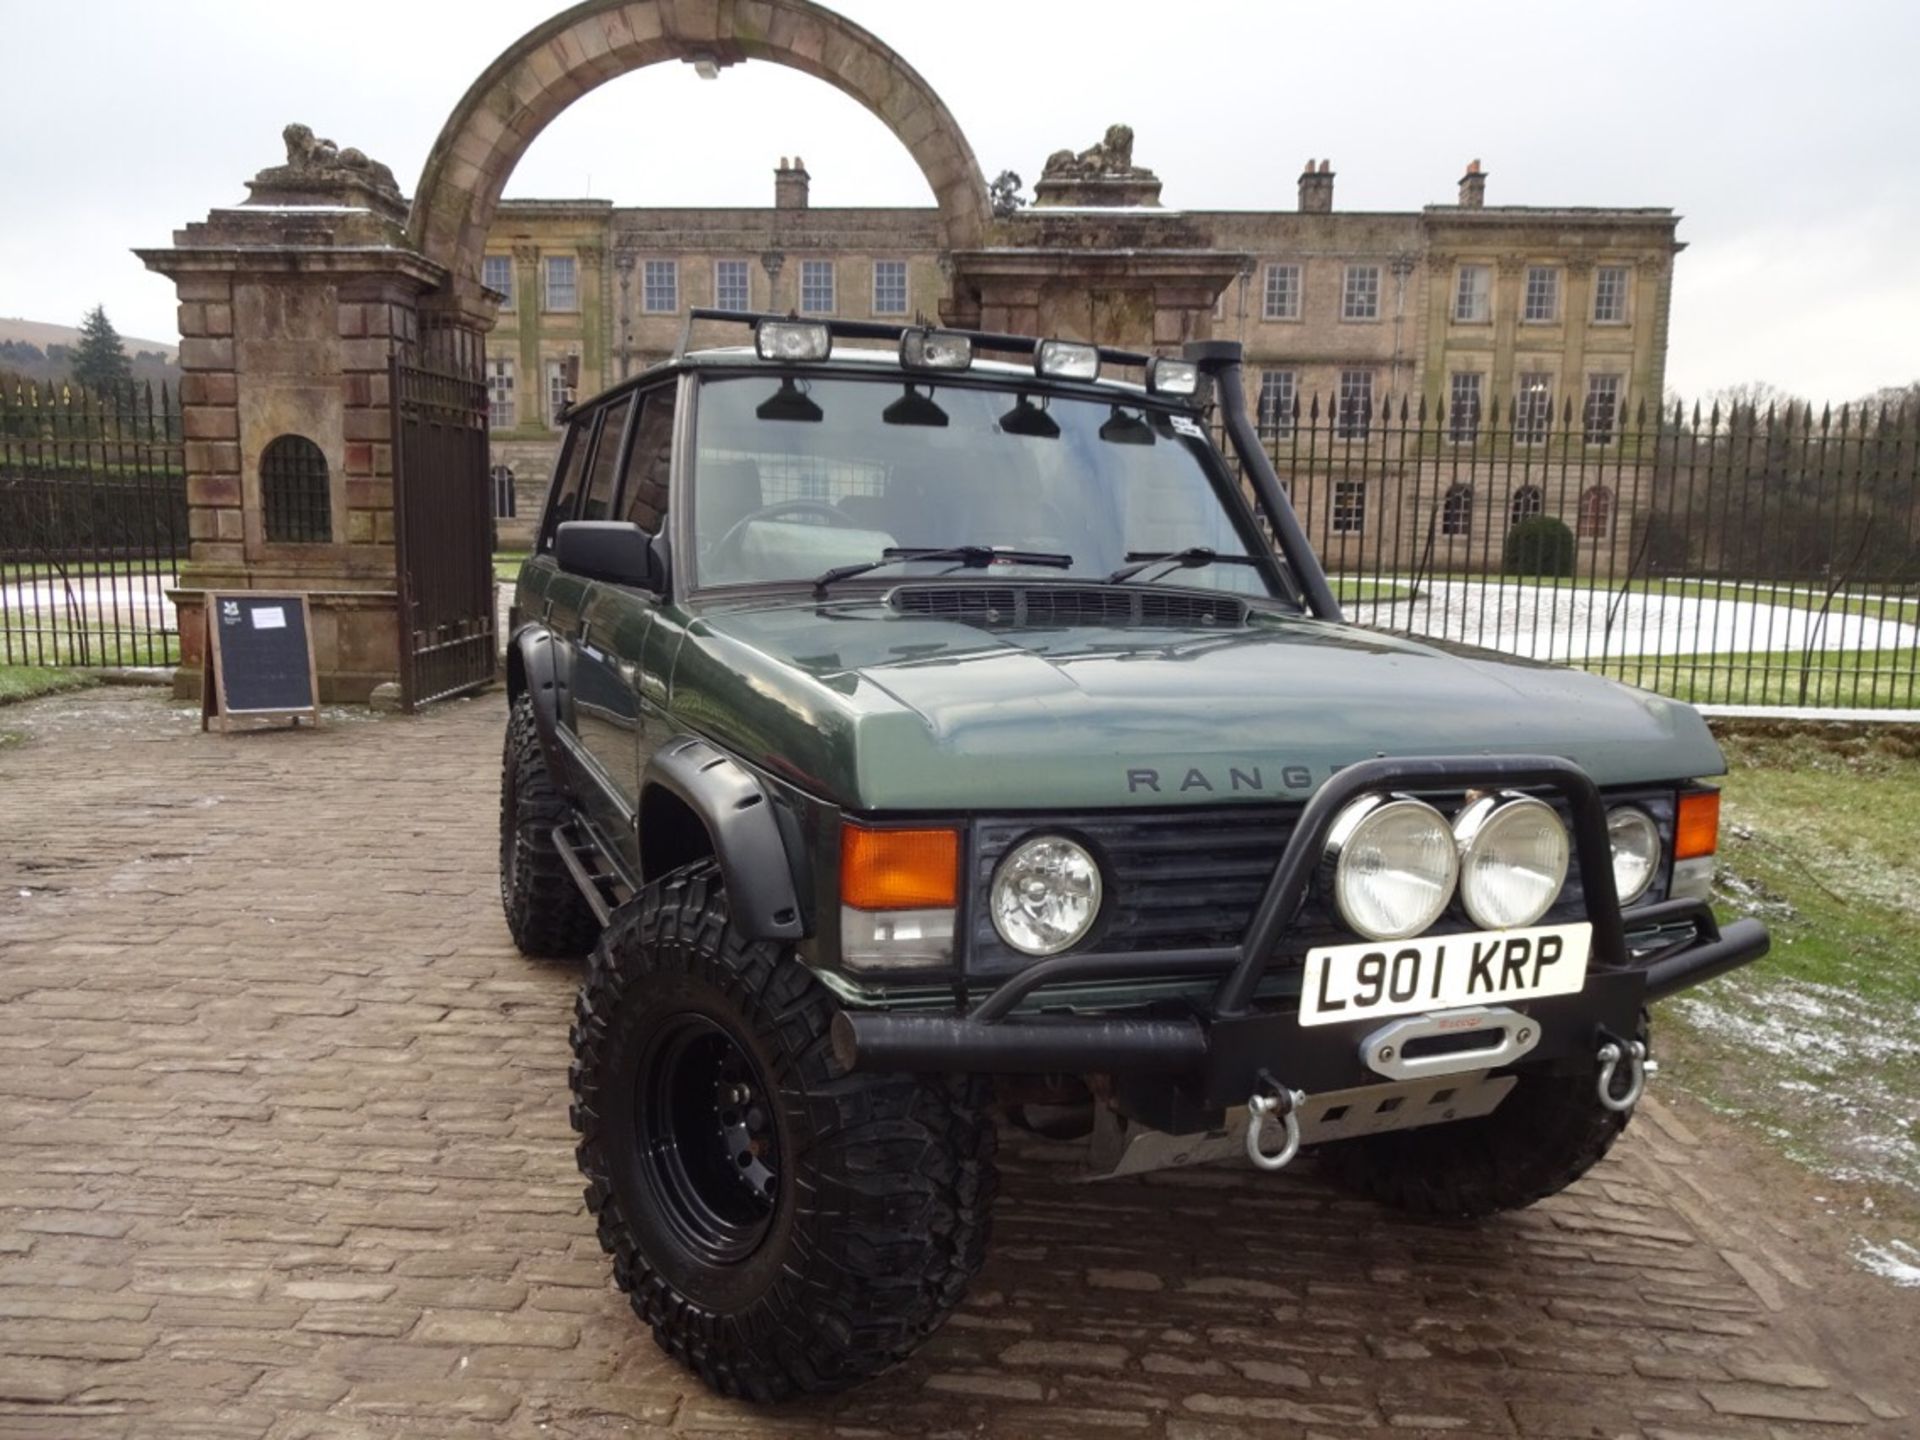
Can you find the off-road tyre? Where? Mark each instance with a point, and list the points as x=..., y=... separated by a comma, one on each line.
x=1549, y=1131
x=881, y=1185
x=546, y=913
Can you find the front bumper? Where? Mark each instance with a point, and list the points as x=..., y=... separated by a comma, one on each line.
x=1219, y=1052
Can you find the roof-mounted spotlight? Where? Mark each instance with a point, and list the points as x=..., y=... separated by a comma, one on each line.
x=792, y=340
x=1167, y=376
x=935, y=350
x=1067, y=360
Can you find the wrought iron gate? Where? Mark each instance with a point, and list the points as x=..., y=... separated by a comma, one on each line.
x=443, y=532
x=93, y=525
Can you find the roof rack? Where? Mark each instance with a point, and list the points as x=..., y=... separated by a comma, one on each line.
x=983, y=340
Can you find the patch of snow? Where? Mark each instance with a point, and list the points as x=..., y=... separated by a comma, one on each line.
x=1896, y=1261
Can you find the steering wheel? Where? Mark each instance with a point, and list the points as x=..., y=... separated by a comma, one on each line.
x=723, y=552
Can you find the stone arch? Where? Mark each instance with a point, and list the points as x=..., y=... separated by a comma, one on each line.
x=556, y=63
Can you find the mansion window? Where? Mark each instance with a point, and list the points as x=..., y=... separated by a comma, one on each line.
x=730, y=290
x=1610, y=295
x=563, y=283
x=1360, y=294
x=496, y=273
x=1527, y=502
x=1456, y=511
x=1473, y=295
x=1533, y=407
x=1603, y=406
x=660, y=287
x=500, y=409
x=816, y=287
x=1349, y=507
x=558, y=392
x=889, y=287
x=1542, y=304
x=502, y=487
x=1463, y=407
x=1278, y=389
x=1596, y=513
x=1354, y=420
x=1282, y=293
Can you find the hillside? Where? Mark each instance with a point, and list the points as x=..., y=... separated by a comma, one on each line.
x=38, y=352
x=41, y=334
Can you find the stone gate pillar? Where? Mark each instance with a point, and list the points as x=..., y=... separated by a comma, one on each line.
x=291, y=306
x=1096, y=258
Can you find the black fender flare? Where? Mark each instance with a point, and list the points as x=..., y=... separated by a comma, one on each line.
x=543, y=679
x=739, y=818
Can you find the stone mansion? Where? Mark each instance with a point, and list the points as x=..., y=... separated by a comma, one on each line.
x=1464, y=304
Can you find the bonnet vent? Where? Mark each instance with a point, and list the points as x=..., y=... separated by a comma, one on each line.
x=1058, y=605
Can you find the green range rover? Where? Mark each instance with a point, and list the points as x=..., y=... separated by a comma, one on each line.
x=927, y=730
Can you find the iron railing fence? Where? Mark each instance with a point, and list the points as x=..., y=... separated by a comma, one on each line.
x=93, y=525
x=1729, y=556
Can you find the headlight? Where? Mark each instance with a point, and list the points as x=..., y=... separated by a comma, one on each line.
x=1636, y=851
x=1393, y=865
x=1513, y=859
x=1045, y=895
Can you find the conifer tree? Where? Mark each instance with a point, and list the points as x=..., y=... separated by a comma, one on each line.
x=100, y=360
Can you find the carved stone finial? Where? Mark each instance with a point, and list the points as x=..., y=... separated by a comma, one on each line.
x=1102, y=174
x=1112, y=156
x=317, y=171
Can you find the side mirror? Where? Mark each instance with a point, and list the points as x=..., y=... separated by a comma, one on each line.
x=617, y=551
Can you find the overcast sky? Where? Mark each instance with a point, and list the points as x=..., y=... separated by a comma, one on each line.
x=1783, y=134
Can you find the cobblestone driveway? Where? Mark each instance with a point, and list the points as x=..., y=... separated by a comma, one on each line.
x=283, y=1153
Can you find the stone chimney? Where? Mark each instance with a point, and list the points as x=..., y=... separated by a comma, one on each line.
x=790, y=185
x=1316, y=189
x=1473, y=187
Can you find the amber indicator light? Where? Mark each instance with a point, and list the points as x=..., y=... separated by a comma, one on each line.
x=899, y=869
x=1697, y=831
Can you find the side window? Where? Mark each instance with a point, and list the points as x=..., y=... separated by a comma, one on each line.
x=566, y=480
x=597, y=504
x=644, y=499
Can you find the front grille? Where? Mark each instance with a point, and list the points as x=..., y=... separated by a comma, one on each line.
x=1175, y=880
x=1053, y=606
x=1189, y=879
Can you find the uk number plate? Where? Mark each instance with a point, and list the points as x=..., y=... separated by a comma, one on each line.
x=1442, y=972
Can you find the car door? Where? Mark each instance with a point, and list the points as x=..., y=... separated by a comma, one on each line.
x=572, y=622
x=621, y=623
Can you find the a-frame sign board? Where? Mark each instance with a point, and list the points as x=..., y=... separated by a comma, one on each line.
x=258, y=663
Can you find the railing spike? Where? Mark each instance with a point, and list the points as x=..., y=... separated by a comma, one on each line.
x=1826, y=417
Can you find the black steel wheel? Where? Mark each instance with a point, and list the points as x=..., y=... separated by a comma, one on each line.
x=705, y=1137
x=782, y=1226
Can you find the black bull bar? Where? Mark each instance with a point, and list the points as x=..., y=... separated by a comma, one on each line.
x=989, y=1039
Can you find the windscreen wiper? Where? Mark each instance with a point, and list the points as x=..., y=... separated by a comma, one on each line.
x=1192, y=558
x=971, y=557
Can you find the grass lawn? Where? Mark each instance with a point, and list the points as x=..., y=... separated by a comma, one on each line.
x=506, y=565
x=24, y=682
x=1864, y=679
x=93, y=645
x=1818, y=1045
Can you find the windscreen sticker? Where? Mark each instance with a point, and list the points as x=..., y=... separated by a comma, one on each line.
x=1182, y=425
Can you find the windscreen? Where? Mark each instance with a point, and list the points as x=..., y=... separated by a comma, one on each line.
x=795, y=476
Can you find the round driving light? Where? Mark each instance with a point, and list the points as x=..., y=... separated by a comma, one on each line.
x=1513, y=859
x=1393, y=865
x=1045, y=895
x=1635, y=841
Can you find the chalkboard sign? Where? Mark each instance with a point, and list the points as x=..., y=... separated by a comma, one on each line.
x=259, y=659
